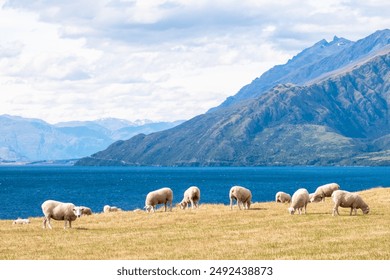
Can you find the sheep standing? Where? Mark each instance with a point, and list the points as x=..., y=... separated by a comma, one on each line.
x=282, y=197
x=242, y=195
x=347, y=199
x=324, y=191
x=299, y=201
x=191, y=195
x=160, y=196
x=60, y=211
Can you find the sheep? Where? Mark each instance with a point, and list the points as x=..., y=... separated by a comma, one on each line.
x=242, y=195
x=347, y=199
x=108, y=208
x=191, y=195
x=282, y=197
x=86, y=210
x=60, y=211
x=20, y=221
x=160, y=196
x=324, y=191
x=299, y=201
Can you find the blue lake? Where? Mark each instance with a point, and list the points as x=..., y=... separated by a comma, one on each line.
x=24, y=188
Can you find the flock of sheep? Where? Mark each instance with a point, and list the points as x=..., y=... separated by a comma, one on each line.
x=341, y=198
x=68, y=212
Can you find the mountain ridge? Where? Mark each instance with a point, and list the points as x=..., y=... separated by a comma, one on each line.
x=342, y=119
x=321, y=58
x=31, y=139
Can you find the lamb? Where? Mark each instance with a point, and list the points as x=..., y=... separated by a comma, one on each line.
x=324, y=191
x=108, y=208
x=20, y=221
x=160, y=196
x=347, y=199
x=86, y=210
x=60, y=211
x=242, y=195
x=191, y=195
x=299, y=201
x=282, y=197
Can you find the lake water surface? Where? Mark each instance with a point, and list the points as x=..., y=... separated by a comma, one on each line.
x=24, y=188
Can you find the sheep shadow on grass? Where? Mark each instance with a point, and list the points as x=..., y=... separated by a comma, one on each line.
x=257, y=209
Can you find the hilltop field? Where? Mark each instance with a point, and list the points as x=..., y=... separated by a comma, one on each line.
x=212, y=232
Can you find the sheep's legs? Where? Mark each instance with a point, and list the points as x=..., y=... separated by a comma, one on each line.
x=70, y=224
x=46, y=220
x=336, y=210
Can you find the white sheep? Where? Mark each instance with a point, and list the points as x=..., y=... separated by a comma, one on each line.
x=282, y=197
x=86, y=210
x=20, y=221
x=108, y=208
x=160, y=196
x=299, y=201
x=191, y=195
x=324, y=191
x=347, y=199
x=60, y=211
x=242, y=195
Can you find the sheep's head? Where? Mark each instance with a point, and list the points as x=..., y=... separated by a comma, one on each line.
x=291, y=210
x=315, y=197
x=78, y=211
x=183, y=204
x=148, y=208
x=366, y=210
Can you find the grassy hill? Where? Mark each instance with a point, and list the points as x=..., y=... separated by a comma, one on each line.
x=213, y=231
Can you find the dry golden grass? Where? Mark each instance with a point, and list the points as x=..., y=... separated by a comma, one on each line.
x=212, y=232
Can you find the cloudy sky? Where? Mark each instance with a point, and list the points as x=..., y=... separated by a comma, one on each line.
x=159, y=60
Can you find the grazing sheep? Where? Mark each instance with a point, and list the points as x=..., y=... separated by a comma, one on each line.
x=299, y=201
x=86, y=210
x=282, y=197
x=347, y=199
x=324, y=191
x=60, y=211
x=191, y=195
x=242, y=195
x=108, y=208
x=20, y=221
x=160, y=196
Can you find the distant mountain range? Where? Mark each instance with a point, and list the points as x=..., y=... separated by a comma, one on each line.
x=328, y=105
x=26, y=140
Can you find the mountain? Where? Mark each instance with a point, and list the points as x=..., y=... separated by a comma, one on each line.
x=320, y=59
x=114, y=129
x=337, y=117
x=25, y=139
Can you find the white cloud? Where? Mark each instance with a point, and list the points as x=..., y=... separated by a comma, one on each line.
x=162, y=60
